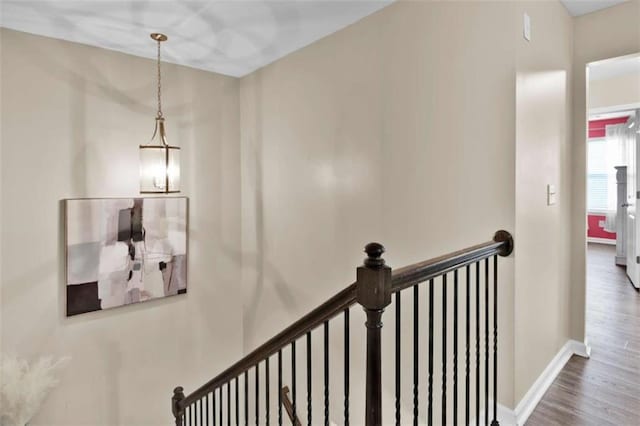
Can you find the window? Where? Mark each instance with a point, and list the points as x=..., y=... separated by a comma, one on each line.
x=604, y=155
x=599, y=177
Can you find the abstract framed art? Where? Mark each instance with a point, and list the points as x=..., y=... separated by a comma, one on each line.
x=121, y=251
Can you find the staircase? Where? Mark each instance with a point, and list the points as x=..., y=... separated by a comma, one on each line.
x=467, y=393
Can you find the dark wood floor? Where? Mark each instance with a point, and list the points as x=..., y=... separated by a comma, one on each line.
x=605, y=389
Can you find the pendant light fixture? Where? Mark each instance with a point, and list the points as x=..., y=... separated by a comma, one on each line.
x=159, y=161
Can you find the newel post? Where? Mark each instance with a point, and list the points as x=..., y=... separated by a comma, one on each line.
x=178, y=412
x=374, y=294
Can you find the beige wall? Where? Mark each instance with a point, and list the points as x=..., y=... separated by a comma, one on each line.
x=378, y=132
x=1, y=174
x=601, y=35
x=383, y=131
x=73, y=117
x=616, y=91
x=1, y=102
x=543, y=142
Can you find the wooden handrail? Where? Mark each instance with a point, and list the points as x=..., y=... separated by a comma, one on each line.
x=288, y=406
x=324, y=312
x=502, y=244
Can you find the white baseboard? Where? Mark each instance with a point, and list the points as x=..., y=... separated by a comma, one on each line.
x=580, y=348
x=535, y=393
x=601, y=240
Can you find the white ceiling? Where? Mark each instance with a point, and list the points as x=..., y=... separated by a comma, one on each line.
x=232, y=37
x=582, y=7
x=615, y=67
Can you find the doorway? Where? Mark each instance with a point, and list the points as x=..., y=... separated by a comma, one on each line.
x=613, y=142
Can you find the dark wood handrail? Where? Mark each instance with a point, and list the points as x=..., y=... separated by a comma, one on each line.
x=288, y=406
x=408, y=276
x=502, y=244
x=324, y=312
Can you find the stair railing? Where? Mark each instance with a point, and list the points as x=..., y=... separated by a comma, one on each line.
x=375, y=285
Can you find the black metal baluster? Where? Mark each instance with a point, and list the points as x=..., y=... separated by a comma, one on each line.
x=495, y=341
x=467, y=341
x=326, y=373
x=206, y=410
x=237, y=408
x=308, y=378
x=257, y=394
x=201, y=409
x=455, y=347
x=280, y=387
x=415, y=354
x=486, y=341
x=398, y=314
x=444, y=349
x=190, y=415
x=266, y=393
x=229, y=403
x=293, y=378
x=346, y=367
x=246, y=398
x=430, y=380
x=213, y=407
x=221, y=406
x=477, y=343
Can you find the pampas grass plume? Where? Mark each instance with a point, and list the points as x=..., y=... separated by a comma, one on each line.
x=24, y=386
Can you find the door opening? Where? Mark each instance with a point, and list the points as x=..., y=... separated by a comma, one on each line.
x=613, y=103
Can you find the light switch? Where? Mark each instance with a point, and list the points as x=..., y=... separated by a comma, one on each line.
x=551, y=195
x=527, y=27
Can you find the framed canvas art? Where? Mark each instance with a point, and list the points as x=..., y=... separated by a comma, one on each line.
x=121, y=251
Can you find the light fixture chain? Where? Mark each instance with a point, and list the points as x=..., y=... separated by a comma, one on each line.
x=159, y=85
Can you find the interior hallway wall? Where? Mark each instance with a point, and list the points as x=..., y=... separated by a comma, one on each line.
x=1, y=323
x=615, y=91
x=600, y=35
x=543, y=157
x=374, y=133
x=72, y=119
x=378, y=132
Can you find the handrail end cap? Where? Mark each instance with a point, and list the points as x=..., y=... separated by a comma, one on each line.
x=503, y=236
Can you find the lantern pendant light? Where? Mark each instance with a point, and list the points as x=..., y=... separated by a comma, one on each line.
x=159, y=161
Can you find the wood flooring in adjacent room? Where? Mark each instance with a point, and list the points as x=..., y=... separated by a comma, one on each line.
x=605, y=389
